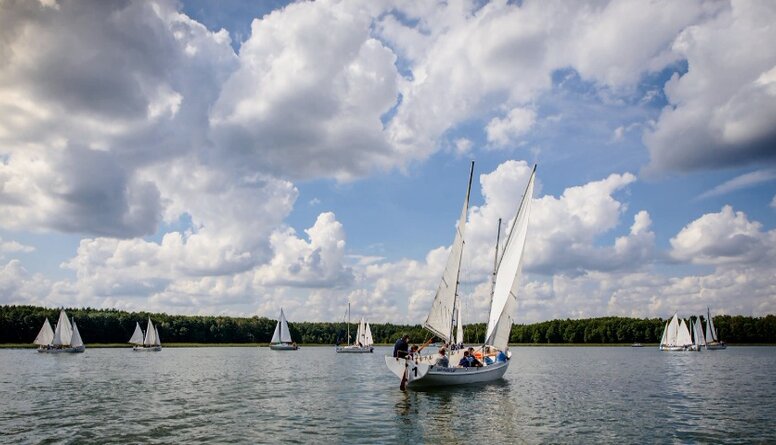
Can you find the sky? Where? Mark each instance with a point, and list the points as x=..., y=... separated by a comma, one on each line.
x=233, y=158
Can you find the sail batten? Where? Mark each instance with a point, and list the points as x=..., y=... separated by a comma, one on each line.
x=508, y=272
x=440, y=318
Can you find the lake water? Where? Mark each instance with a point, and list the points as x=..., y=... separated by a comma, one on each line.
x=254, y=395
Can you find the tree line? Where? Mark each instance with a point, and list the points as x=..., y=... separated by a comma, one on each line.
x=20, y=324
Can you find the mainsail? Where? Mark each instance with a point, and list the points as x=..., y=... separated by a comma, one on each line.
x=63, y=332
x=137, y=336
x=150, y=336
x=440, y=318
x=711, y=333
x=459, y=326
x=683, y=335
x=699, y=340
x=508, y=273
x=46, y=334
x=158, y=340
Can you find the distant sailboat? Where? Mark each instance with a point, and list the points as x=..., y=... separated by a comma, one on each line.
x=148, y=342
x=281, y=339
x=676, y=336
x=430, y=370
x=712, y=341
x=363, y=342
x=64, y=338
x=698, y=340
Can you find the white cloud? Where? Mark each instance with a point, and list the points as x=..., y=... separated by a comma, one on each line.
x=726, y=237
x=516, y=123
x=14, y=247
x=722, y=110
x=746, y=180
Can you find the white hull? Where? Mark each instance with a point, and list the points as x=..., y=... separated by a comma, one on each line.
x=58, y=350
x=715, y=346
x=354, y=349
x=283, y=347
x=421, y=374
x=671, y=348
x=147, y=348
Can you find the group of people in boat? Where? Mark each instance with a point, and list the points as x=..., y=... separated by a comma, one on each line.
x=470, y=359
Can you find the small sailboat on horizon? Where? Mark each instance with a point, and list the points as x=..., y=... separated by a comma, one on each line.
x=281, y=338
x=676, y=336
x=64, y=338
x=148, y=342
x=712, y=341
x=363, y=342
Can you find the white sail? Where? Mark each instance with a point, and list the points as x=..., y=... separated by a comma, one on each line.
x=368, y=341
x=360, y=332
x=276, y=334
x=46, y=334
x=683, y=336
x=459, y=326
x=672, y=332
x=137, y=336
x=150, y=336
x=63, y=333
x=698, y=331
x=664, y=339
x=508, y=274
x=158, y=340
x=440, y=318
x=282, y=334
x=75, y=340
x=711, y=333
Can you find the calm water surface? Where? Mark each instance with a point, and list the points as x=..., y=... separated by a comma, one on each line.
x=254, y=395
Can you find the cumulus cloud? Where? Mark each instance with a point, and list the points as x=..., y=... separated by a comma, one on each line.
x=507, y=130
x=14, y=247
x=723, y=238
x=720, y=112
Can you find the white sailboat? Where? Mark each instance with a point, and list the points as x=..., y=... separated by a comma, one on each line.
x=363, y=342
x=281, y=339
x=422, y=370
x=698, y=340
x=676, y=336
x=148, y=342
x=712, y=341
x=64, y=338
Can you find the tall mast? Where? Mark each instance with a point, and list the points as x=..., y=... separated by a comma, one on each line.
x=495, y=265
x=458, y=273
x=348, y=323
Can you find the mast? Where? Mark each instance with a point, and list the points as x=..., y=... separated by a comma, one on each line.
x=348, y=323
x=495, y=266
x=463, y=242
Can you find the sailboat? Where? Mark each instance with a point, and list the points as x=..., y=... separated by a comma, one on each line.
x=698, y=339
x=148, y=342
x=676, y=336
x=363, y=342
x=712, y=341
x=64, y=338
x=281, y=339
x=422, y=370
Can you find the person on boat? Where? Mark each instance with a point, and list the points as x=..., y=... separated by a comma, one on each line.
x=413, y=352
x=465, y=361
x=442, y=360
x=401, y=347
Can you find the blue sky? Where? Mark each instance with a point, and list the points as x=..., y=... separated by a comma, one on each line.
x=233, y=157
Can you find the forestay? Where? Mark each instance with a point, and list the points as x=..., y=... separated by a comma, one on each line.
x=508, y=274
x=440, y=317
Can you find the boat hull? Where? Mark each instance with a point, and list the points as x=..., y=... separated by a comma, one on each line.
x=421, y=374
x=354, y=349
x=283, y=347
x=147, y=348
x=671, y=348
x=715, y=346
x=62, y=350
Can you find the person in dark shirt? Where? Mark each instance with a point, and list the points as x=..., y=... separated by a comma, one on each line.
x=465, y=362
x=401, y=347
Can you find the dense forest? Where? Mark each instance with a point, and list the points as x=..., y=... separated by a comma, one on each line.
x=20, y=324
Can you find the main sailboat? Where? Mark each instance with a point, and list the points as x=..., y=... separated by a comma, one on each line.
x=64, y=338
x=281, y=339
x=148, y=342
x=441, y=321
x=712, y=341
x=676, y=336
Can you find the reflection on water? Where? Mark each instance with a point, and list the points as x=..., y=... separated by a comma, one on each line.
x=252, y=395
